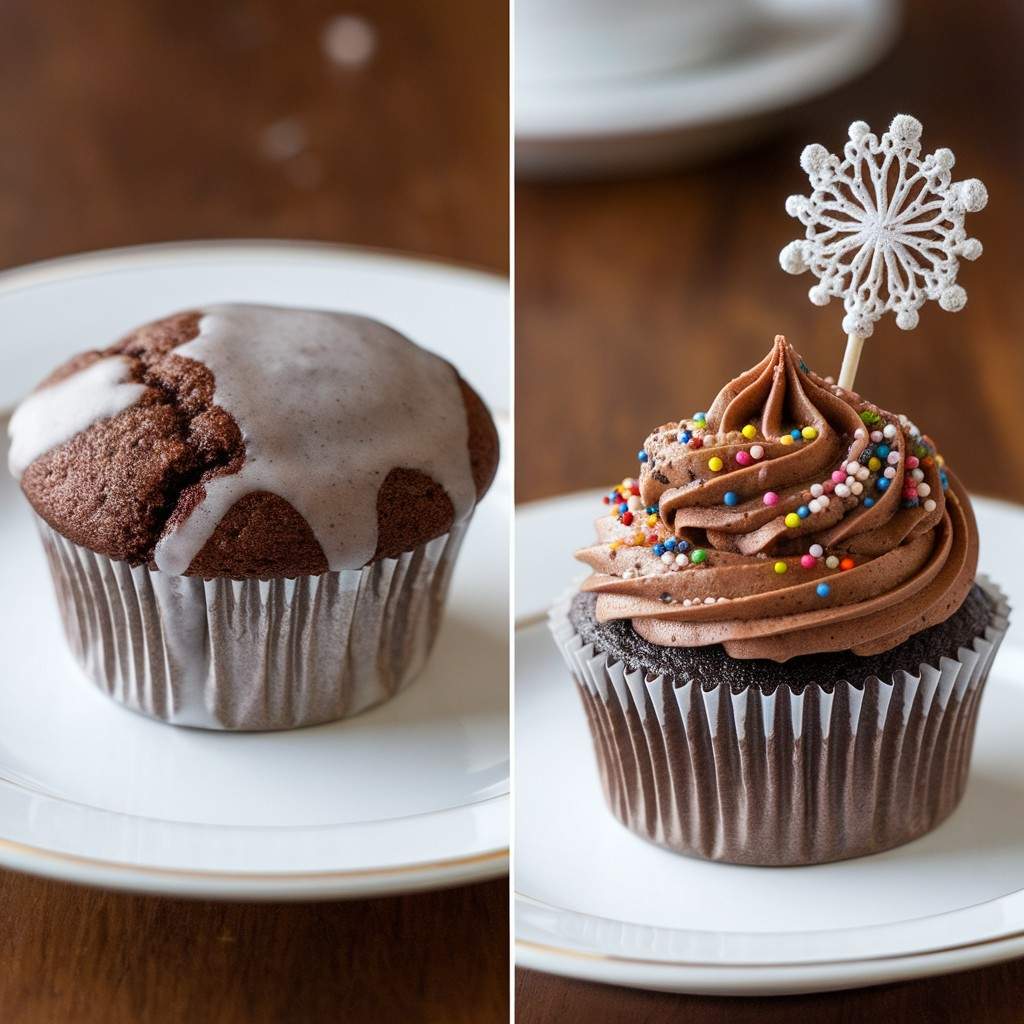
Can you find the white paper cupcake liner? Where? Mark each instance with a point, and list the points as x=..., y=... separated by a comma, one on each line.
x=251, y=654
x=785, y=778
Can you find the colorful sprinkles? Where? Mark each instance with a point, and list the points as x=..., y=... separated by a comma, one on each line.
x=887, y=453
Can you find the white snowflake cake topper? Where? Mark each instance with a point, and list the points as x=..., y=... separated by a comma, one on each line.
x=884, y=229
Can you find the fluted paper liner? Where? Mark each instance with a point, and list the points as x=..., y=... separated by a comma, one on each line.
x=786, y=778
x=251, y=654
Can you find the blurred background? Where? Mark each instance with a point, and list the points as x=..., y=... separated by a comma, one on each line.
x=642, y=289
x=378, y=123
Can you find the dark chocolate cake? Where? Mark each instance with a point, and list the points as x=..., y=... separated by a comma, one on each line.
x=251, y=513
x=782, y=646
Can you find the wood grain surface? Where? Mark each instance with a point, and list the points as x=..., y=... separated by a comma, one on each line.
x=636, y=300
x=127, y=122
x=124, y=123
x=988, y=996
x=77, y=956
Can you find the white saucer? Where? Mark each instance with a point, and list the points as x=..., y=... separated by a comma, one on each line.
x=411, y=795
x=621, y=125
x=595, y=902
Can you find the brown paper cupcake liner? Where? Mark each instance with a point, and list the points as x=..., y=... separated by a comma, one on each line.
x=251, y=654
x=785, y=778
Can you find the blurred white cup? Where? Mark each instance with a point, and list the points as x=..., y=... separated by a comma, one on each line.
x=594, y=39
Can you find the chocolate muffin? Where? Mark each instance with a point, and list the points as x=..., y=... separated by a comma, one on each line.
x=782, y=646
x=251, y=513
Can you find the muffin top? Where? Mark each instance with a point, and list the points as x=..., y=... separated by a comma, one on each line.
x=254, y=441
x=792, y=518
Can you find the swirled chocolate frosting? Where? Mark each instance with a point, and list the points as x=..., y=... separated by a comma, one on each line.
x=791, y=518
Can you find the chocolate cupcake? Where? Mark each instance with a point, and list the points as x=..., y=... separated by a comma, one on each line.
x=251, y=513
x=783, y=644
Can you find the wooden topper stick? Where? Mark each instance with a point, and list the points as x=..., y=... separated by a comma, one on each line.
x=851, y=360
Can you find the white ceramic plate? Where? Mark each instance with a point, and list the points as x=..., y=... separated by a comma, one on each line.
x=410, y=795
x=800, y=49
x=594, y=901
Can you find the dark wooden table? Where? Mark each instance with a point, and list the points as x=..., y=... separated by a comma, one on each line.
x=124, y=123
x=637, y=300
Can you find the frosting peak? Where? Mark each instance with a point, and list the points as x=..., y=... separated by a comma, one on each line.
x=790, y=518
